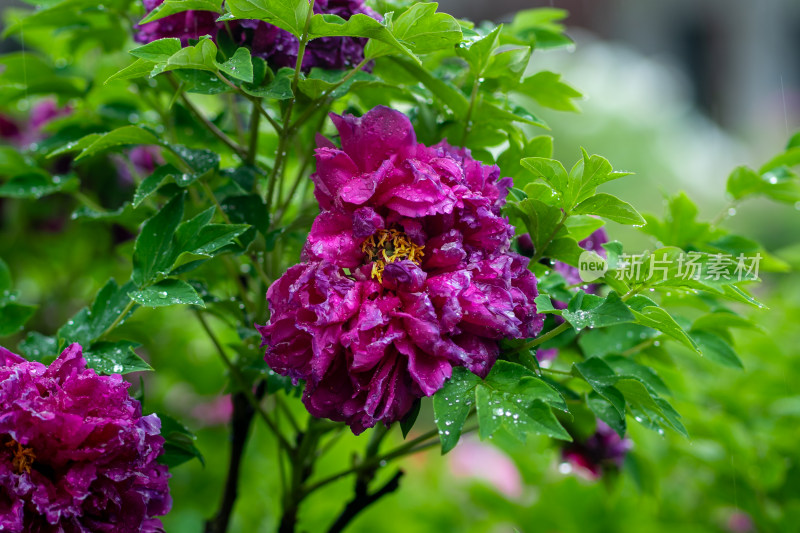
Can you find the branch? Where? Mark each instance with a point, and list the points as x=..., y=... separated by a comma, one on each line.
x=363, y=499
x=242, y=382
x=241, y=421
x=210, y=126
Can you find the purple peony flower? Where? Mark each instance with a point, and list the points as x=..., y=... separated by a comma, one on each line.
x=76, y=454
x=183, y=26
x=605, y=449
x=408, y=272
x=278, y=47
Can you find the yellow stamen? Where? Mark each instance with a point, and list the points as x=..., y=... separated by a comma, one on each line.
x=23, y=457
x=392, y=245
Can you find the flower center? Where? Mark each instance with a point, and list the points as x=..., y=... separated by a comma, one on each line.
x=387, y=246
x=23, y=456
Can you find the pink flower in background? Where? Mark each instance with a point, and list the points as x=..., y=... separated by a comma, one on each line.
x=76, y=454
x=476, y=460
x=24, y=133
x=740, y=522
x=408, y=272
x=605, y=449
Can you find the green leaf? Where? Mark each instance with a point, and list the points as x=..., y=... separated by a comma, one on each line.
x=549, y=91
x=38, y=347
x=158, y=51
x=541, y=220
x=444, y=91
x=320, y=82
x=610, y=207
x=602, y=379
x=544, y=305
x=179, y=442
x=239, y=66
x=452, y=404
x=407, y=423
x=202, y=56
x=714, y=348
x=478, y=53
x=420, y=28
x=789, y=158
x=359, y=25
x=647, y=408
x=91, y=322
x=289, y=15
x=141, y=68
x=508, y=62
x=280, y=88
x=606, y=412
x=5, y=277
x=551, y=171
x=564, y=249
x=166, y=293
x=496, y=411
x=109, y=358
x=13, y=316
x=582, y=226
x=151, y=183
x=35, y=186
x=659, y=319
x=627, y=367
x=514, y=398
x=198, y=236
x=171, y=7
x=743, y=182
x=153, y=252
x=590, y=311
x=125, y=135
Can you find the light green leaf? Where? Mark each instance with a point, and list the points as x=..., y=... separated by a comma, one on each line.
x=289, y=15
x=420, y=28
x=171, y=7
x=153, y=252
x=239, y=66
x=158, y=51
x=109, y=358
x=123, y=136
x=452, y=404
x=715, y=349
x=549, y=91
x=141, y=68
x=167, y=292
x=90, y=323
x=610, y=207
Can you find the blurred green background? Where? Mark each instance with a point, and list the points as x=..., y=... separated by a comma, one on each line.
x=715, y=83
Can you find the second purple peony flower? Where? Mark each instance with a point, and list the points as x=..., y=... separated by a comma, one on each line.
x=76, y=454
x=278, y=47
x=408, y=272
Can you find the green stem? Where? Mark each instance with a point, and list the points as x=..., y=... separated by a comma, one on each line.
x=541, y=339
x=641, y=346
x=119, y=319
x=724, y=214
x=210, y=126
x=298, y=180
x=242, y=382
x=287, y=132
x=375, y=461
x=252, y=152
x=554, y=371
x=468, y=119
x=538, y=254
x=323, y=99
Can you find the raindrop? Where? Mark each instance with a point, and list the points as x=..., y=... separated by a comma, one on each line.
x=731, y=211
